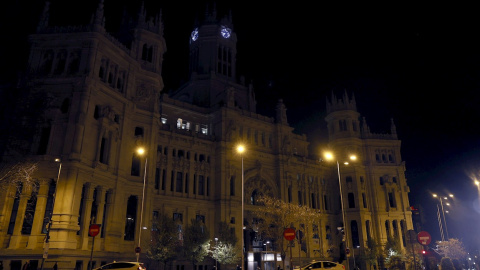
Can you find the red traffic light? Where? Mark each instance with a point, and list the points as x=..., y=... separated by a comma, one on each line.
x=424, y=252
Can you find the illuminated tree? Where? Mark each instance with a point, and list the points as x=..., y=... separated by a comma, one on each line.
x=452, y=248
x=274, y=216
x=196, y=243
x=18, y=173
x=164, y=241
x=224, y=251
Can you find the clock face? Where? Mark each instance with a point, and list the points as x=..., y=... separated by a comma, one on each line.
x=225, y=32
x=194, y=35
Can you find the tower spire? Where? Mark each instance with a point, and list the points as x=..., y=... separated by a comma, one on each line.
x=43, y=23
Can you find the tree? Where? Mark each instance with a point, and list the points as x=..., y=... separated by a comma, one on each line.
x=371, y=252
x=224, y=251
x=394, y=257
x=18, y=175
x=164, y=242
x=446, y=264
x=275, y=215
x=452, y=248
x=196, y=243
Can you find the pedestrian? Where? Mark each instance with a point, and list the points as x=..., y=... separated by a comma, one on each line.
x=26, y=266
x=278, y=267
x=55, y=266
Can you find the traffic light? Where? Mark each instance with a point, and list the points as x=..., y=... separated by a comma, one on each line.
x=424, y=252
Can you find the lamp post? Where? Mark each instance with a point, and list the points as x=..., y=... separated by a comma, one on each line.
x=46, y=244
x=329, y=156
x=216, y=260
x=241, y=150
x=266, y=254
x=441, y=199
x=141, y=152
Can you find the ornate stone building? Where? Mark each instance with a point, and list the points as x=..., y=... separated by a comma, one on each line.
x=93, y=99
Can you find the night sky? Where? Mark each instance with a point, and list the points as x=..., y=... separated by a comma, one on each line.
x=416, y=63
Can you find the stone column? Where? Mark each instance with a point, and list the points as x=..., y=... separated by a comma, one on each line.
x=42, y=198
x=86, y=221
x=100, y=202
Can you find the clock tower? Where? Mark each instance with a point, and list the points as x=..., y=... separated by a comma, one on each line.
x=213, y=47
x=212, y=65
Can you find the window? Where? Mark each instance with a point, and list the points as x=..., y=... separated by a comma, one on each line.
x=179, y=182
x=30, y=212
x=178, y=217
x=351, y=200
x=186, y=182
x=300, y=198
x=80, y=209
x=13, y=215
x=138, y=131
x=325, y=202
x=135, y=170
x=364, y=198
x=49, y=206
x=391, y=200
x=129, y=234
x=314, y=205
x=164, y=176
x=232, y=185
x=200, y=218
x=208, y=186
x=201, y=185
x=104, y=147
x=289, y=194
x=157, y=178
x=349, y=179
x=354, y=229
x=381, y=181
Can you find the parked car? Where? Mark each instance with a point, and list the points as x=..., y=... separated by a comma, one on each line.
x=123, y=265
x=321, y=265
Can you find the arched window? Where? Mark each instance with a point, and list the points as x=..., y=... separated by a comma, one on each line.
x=354, y=230
x=130, y=219
x=254, y=197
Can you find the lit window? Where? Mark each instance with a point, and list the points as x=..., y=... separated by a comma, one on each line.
x=179, y=123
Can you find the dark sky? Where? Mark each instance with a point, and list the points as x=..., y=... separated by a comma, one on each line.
x=416, y=63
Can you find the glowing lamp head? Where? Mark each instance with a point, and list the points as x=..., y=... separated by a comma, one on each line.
x=141, y=151
x=328, y=156
x=241, y=149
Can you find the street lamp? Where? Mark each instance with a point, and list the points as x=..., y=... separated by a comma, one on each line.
x=141, y=152
x=441, y=199
x=216, y=260
x=241, y=150
x=330, y=156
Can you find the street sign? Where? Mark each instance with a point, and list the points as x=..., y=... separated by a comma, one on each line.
x=138, y=249
x=289, y=234
x=424, y=238
x=93, y=230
